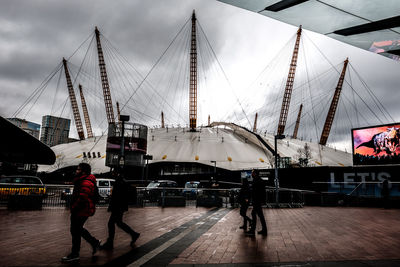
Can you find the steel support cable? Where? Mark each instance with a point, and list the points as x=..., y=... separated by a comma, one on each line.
x=142, y=113
x=152, y=68
x=373, y=113
x=37, y=97
x=205, y=52
x=122, y=60
x=373, y=96
x=83, y=61
x=42, y=85
x=163, y=99
x=114, y=58
x=237, y=99
x=345, y=81
x=55, y=92
x=269, y=66
x=200, y=70
x=142, y=82
x=176, y=53
x=361, y=114
x=122, y=57
x=273, y=60
x=312, y=105
x=208, y=64
x=311, y=113
x=345, y=109
x=116, y=74
x=354, y=98
x=185, y=70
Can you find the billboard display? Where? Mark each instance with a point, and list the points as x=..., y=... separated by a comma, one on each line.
x=376, y=145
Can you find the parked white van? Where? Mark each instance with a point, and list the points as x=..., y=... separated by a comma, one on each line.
x=103, y=184
x=105, y=187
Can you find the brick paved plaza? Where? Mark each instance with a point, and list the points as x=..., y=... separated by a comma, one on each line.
x=312, y=236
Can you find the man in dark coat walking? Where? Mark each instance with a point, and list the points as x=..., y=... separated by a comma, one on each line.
x=244, y=201
x=258, y=198
x=82, y=206
x=118, y=205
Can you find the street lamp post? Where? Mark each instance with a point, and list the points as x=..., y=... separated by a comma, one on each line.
x=121, y=157
x=279, y=136
x=215, y=168
x=147, y=158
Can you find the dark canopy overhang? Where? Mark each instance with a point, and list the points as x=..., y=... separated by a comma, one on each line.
x=18, y=146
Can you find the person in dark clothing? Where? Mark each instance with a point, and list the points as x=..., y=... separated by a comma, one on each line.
x=258, y=198
x=244, y=199
x=82, y=206
x=118, y=205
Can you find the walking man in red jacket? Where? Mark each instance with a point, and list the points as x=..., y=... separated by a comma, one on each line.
x=82, y=206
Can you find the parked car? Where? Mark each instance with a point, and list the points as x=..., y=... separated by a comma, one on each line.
x=156, y=188
x=191, y=189
x=105, y=189
x=21, y=185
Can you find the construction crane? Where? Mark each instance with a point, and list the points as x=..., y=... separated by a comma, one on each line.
x=332, y=109
x=255, y=123
x=74, y=104
x=289, y=86
x=193, y=77
x=104, y=81
x=296, y=127
x=86, y=114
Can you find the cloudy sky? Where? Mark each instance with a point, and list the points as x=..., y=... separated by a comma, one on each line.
x=35, y=35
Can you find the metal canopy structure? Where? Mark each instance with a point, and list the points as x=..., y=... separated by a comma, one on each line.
x=18, y=146
x=372, y=25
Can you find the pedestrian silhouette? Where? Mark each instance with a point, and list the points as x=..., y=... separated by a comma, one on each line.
x=82, y=206
x=118, y=205
x=258, y=198
x=244, y=201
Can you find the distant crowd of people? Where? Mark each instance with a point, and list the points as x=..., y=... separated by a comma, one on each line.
x=371, y=159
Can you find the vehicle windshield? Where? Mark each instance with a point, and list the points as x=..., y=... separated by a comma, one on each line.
x=153, y=184
x=20, y=180
x=191, y=185
x=104, y=183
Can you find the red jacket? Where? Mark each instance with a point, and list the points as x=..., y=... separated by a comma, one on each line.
x=82, y=197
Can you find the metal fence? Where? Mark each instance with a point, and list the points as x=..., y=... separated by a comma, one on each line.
x=32, y=197
x=370, y=189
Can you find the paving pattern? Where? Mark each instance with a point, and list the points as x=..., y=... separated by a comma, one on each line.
x=192, y=236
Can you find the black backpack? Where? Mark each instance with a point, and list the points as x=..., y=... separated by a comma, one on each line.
x=96, y=194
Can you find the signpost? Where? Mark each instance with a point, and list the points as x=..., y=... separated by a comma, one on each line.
x=279, y=136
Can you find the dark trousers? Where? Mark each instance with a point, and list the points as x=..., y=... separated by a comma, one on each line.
x=77, y=231
x=257, y=211
x=116, y=219
x=243, y=213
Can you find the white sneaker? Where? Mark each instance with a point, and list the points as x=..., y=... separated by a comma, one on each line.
x=70, y=258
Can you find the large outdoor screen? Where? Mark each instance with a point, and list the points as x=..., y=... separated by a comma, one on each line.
x=376, y=145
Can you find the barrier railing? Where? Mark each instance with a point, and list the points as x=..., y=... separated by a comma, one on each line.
x=372, y=189
x=60, y=196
